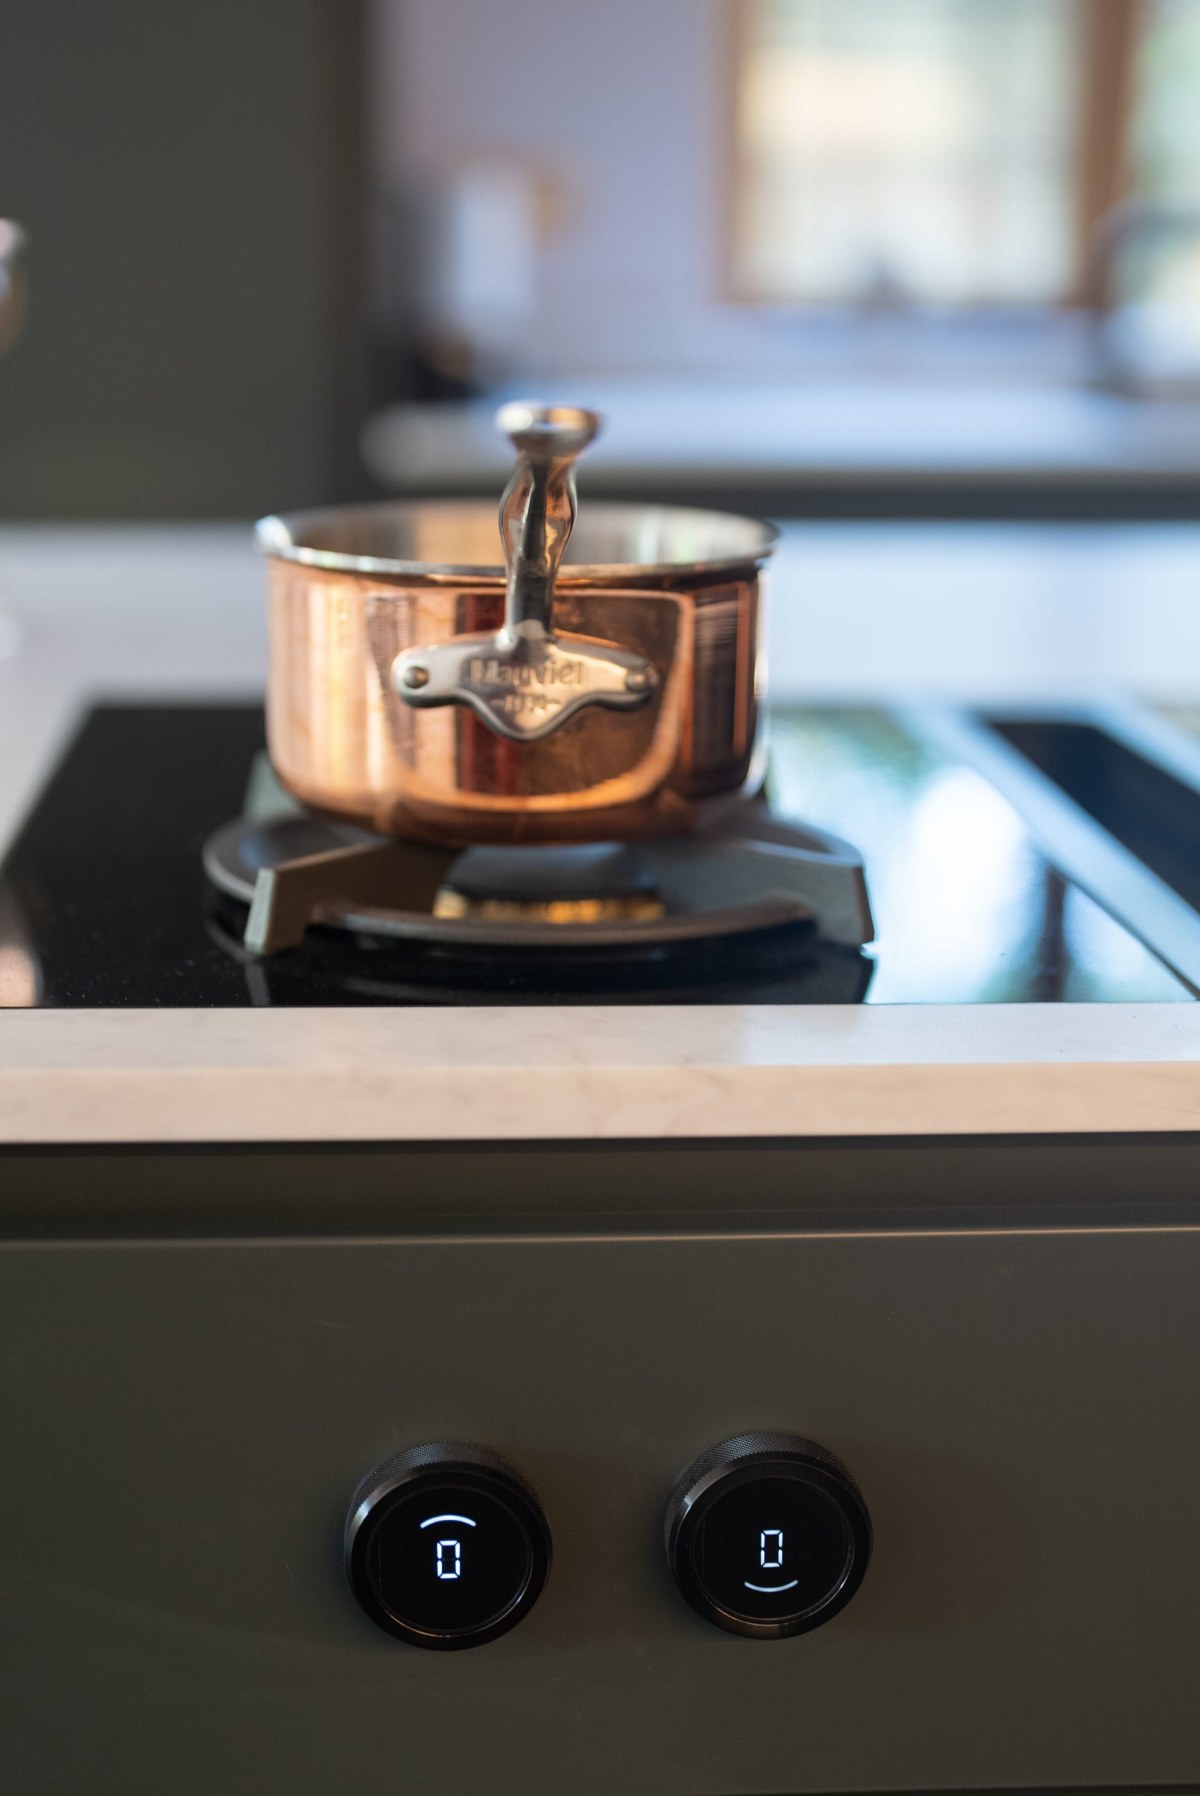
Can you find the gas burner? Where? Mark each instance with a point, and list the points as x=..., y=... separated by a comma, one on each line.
x=751, y=876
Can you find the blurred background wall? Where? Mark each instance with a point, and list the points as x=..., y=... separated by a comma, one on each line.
x=192, y=178
x=602, y=125
x=693, y=184
x=812, y=256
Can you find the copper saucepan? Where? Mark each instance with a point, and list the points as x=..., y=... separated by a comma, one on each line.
x=421, y=690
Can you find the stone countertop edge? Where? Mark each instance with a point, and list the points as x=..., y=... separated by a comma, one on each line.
x=603, y=1073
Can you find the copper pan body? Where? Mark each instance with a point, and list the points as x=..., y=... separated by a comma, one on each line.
x=350, y=589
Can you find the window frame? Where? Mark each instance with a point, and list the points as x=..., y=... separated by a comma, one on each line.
x=1109, y=42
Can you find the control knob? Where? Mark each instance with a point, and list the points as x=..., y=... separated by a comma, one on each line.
x=446, y=1546
x=767, y=1535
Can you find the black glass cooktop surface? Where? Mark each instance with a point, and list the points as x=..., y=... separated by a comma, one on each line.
x=104, y=903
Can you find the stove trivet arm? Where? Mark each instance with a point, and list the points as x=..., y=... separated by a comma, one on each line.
x=317, y=888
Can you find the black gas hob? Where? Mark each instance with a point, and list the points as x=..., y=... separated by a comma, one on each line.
x=105, y=901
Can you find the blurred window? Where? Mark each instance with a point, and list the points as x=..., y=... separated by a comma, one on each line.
x=952, y=152
x=1166, y=124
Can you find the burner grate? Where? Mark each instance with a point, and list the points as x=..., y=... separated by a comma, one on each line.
x=752, y=874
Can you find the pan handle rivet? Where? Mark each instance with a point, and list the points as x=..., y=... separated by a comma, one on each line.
x=639, y=679
x=415, y=677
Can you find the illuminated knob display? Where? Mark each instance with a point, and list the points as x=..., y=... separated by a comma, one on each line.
x=767, y=1535
x=446, y=1547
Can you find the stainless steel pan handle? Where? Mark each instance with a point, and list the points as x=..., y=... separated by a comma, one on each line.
x=525, y=681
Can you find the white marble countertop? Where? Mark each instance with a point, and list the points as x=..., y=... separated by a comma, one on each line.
x=117, y=610
x=866, y=612
x=596, y=1073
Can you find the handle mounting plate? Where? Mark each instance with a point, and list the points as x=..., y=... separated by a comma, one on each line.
x=523, y=684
